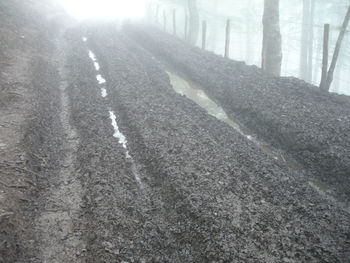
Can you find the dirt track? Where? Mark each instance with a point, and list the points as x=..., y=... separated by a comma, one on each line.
x=182, y=187
x=310, y=126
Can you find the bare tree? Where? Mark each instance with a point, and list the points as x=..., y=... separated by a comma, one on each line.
x=272, y=42
x=336, y=51
x=194, y=21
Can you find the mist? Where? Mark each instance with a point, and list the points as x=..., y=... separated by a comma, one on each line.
x=151, y=131
x=301, y=27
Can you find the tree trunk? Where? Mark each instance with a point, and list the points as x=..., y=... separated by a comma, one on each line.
x=194, y=22
x=304, y=40
x=272, y=43
x=325, y=57
x=337, y=50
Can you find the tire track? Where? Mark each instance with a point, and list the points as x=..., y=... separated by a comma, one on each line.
x=58, y=224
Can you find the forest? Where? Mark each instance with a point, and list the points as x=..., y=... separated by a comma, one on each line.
x=299, y=22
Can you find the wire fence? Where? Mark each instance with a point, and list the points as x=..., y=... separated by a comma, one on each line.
x=246, y=44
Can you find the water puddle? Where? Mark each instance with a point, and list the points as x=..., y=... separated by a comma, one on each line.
x=97, y=66
x=103, y=92
x=123, y=141
x=92, y=56
x=195, y=93
x=117, y=134
x=100, y=79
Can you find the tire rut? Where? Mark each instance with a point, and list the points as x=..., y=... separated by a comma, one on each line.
x=58, y=223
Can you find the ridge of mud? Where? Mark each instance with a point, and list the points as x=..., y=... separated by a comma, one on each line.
x=288, y=113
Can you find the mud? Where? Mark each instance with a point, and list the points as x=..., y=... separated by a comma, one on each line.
x=216, y=196
x=312, y=127
x=121, y=168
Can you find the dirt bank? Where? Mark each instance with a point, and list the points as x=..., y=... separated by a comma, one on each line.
x=312, y=127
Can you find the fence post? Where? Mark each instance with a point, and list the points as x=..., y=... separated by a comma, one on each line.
x=164, y=20
x=228, y=36
x=174, y=22
x=186, y=26
x=325, y=57
x=204, y=34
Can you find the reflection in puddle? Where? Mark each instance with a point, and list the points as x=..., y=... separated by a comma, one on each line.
x=195, y=93
x=92, y=56
x=103, y=92
x=122, y=140
x=117, y=134
x=97, y=66
x=100, y=79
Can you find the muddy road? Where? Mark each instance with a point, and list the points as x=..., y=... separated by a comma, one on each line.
x=119, y=167
x=309, y=126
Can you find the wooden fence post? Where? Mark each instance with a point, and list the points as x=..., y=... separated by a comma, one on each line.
x=164, y=20
x=174, y=22
x=325, y=57
x=186, y=26
x=228, y=37
x=204, y=34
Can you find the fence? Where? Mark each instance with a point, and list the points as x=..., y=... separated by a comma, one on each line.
x=230, y=44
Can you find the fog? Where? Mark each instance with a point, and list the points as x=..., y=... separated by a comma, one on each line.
x=105, y=9
x=301, y=25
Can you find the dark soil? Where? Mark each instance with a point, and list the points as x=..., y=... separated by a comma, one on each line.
x=193, y=190
x=31, y=136
x=312, y=127
x=208, y=194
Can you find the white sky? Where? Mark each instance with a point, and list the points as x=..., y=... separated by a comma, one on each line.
x=105, y=9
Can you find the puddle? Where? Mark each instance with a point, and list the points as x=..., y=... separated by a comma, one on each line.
x=117, y=134
x=97, y=66
x=123, y=141
x=103, y=92
x=100, y=79
x=195, y=93
x=92, y=56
